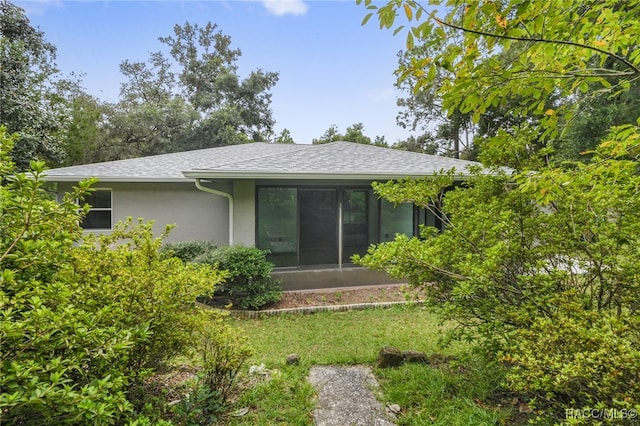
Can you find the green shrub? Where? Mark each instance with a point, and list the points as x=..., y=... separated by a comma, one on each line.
x=187, y=251
x=224, y=351
x=58, y=364
x=126, y=272
x=202, y=406
x=84, y=318
x=249, y=282
x=578, y=360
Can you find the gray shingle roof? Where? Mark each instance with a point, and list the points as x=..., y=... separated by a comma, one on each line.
x=337, y=160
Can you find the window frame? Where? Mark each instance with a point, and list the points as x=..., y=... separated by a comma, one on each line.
x=109, y=209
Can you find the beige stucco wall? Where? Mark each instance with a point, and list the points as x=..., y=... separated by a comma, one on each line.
x=197, y=215
x=244, y=225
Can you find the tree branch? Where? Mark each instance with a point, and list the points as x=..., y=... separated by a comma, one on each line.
x=542, y=40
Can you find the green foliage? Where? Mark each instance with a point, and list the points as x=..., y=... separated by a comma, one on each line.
x=220, y=352
x=187, y=251
x=513, y=259
x=541, y=264
x=224, y=351
x=202, y=406
x=563, y=59
x=189, y=98
x=577, y=359
x=28, y=79
x=57, y=363
x=354, y=133
x=249, y=282
x=126, y=274
x=82, y=142
x=424, y=143
x=84, y=318
x=284, y=137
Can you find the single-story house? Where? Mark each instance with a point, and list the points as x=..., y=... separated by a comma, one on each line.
x=311, y=206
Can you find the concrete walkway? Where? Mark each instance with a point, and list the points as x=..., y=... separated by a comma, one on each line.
x=346, y=397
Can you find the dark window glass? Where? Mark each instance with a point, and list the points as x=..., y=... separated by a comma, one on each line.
x=100, y=199
x=355, y=223
x=278, y=224
x=395, y=219
x=318, y=226
x=97, y=219
x=99, y=216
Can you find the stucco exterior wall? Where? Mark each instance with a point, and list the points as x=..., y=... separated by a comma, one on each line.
x=244, y=225
x=197, y=215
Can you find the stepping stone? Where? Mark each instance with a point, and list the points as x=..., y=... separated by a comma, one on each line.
x=346, y=396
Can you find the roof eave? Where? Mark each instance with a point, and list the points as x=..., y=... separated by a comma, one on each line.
x=203, y=174
x=78, y=178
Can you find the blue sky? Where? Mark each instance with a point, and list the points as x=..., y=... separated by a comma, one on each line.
x=332, y=69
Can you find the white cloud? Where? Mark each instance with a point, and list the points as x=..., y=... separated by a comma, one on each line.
x=283, y=7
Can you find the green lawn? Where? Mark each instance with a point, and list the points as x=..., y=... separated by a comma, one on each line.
x=427, y=395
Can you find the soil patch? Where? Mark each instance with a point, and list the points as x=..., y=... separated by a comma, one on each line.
x=347, y=296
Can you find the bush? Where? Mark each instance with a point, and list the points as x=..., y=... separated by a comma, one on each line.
x=577, y=360
x=126, y=273
x=188, y=251
x=202, y=406
x=84, y=318
x=249, y=282
x=58, y=364
x=529, y=264
x=224, y=351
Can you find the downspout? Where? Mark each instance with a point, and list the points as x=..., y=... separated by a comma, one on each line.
x=222, y=194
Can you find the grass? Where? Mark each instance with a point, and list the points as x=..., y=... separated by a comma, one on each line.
x=427, y=395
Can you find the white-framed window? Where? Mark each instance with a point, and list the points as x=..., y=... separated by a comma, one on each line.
x=100, y=213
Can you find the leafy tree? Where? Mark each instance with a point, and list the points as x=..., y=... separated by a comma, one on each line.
x=284, y=137
x=450, y=133
x=31, y=104
x=546, y=62
x=86, y=138
x=380, y=141
x=202, y=104
x=424, y=143
x=538, y=263
x=598, y=111
x=354, y=133
x=454, y=132
x=331, y=135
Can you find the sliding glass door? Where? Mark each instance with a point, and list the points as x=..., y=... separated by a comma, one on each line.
x=356, y=220
x=309, y=226
x=318, y=209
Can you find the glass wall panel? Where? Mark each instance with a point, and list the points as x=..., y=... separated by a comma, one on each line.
x=355, y=223
x=318, y=226
x=299, y=225
x=428, y=218
x=395, y=220
x=278, y=224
